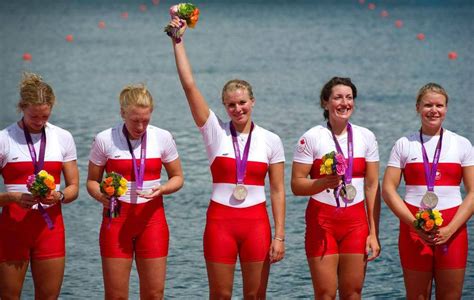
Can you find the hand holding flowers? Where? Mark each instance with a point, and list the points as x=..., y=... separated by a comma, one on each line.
x=41, y=186
x=113, y=186
x=427, y=221
x=184, y=11
x=334, y=164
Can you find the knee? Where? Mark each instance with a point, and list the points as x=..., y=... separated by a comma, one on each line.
x=152, y=295
x=255, y=296
x=115, y=296
x=350, y=295
x=220, y=295
x=324, y=294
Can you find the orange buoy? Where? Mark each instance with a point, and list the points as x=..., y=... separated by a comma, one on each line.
x=124, y=15
x=420, y=36
x=101, y=24
x=384, y=13
x=371, y=6
x=156, y=2
x=452, y=55
x=69, y=38
x=399, y=23
x=142, y=7
x=27, y=56
x=361, y=2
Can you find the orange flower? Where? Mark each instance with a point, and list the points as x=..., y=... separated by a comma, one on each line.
x=108, y=180
x=194, y=18
x=429, y=225
x=49, y=183
x=425, y=215
x=109, y=190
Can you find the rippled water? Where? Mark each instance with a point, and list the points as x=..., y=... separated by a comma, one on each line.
x=287, y=50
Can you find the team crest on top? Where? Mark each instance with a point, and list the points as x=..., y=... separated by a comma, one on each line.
x=301, y=145
x=438, y=175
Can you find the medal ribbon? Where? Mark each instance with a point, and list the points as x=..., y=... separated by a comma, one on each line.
x=350, y=151
x=38, y=163
x=139, y=171
x=241, y=163
x=430, y=174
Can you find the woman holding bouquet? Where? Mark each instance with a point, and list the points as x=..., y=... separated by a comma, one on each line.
x=135, y=150
x=240, y=155
x=343, y=211
x=31, y=227
x=433, y=162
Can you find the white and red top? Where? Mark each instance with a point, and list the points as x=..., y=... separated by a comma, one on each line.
x=266, y=148
x=15, y=159
x=456, y=153
x=318, y=141
x=110, y=149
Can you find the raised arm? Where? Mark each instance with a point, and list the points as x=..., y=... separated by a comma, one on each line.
x=197, y=103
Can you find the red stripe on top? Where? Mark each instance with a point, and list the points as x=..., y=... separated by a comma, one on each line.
x=224, y=170
x=124, y=167
x=358, y=168
x=18, y=172
x=448, y=174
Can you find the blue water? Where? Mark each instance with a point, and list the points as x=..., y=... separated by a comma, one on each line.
x=287, y=50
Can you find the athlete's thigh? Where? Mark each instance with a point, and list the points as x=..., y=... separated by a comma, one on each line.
x=221, y=279
x=116, y=273
x=449, y=283
x=351, y=274
x=48, y=276
x=324, y=274
x=152, y=273
x=255, y=278
x=12, y=276
x=417, y=284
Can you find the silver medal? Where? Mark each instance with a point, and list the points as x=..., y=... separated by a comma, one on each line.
x=240, y=192
x=348, y=193
x=430, y=199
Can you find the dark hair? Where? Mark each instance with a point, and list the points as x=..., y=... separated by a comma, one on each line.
x=327, y=90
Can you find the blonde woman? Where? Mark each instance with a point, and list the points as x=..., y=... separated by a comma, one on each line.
x=32, y=228
x=433, y=162
x=137, y=151
x=240, y=154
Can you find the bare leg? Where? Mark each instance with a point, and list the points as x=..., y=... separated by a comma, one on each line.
x=152, y=273
x=324, y=275
x=449, y=283
x=116, y=272
x=12, y=276
x=221, y=280
x=417, y=284
x=351, y=275
x=255, y=279
x=48, y=277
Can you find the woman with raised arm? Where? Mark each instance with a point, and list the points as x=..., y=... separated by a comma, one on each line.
x=433, y=162
x=343, y=210
x=32, y=227
x=240, y=155
x=136, y=151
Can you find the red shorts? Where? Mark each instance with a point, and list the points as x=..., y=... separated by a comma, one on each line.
x=417, y=256
x=140, y=229
x=332, y=230
x=24, y=234
x=231, y=231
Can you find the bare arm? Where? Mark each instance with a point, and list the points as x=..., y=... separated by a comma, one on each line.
x=174, y=183
x=301, y=185
x=391, y=181
x=197, y=103
x=71, y=177
x=277, y=195
x=94, y=177
x=372, y=199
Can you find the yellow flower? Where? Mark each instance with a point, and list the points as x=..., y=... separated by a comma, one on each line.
x=436, y=213
x=418, y=215
x=438, y=221
x=123, y=182
x=121, y=191
x=328, y=162
x=43, y=173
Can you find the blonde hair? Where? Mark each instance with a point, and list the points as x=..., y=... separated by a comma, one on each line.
x=34, y=91
x=431, y=87
x=236, y=84
x=135, y=94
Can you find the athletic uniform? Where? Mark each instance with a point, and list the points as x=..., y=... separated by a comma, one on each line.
x=141, y=226
x=238, y=227
x=332, y=230
x=456, y=153
x=24, y=232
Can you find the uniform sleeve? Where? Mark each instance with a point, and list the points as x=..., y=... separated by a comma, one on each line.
x=212, y=132
x=98, y=154
x=170, y=151
x=372, y=153
x=304, y=149
x=68, y=146
x=277, y=153
x=396, y=158
x=467, y=153
x=4, y=148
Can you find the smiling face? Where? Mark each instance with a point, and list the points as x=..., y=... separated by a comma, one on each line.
x=239, y=106
x=432, y=108
x=35, y=116
x=340, y=104
x=136, y=119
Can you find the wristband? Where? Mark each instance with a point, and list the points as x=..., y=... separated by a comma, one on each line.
x=279, y=239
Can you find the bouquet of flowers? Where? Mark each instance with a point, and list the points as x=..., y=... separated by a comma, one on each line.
x=186, y=11
x=333, y=163
x=428, y=220
x=41, y=184
x=114, y=186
